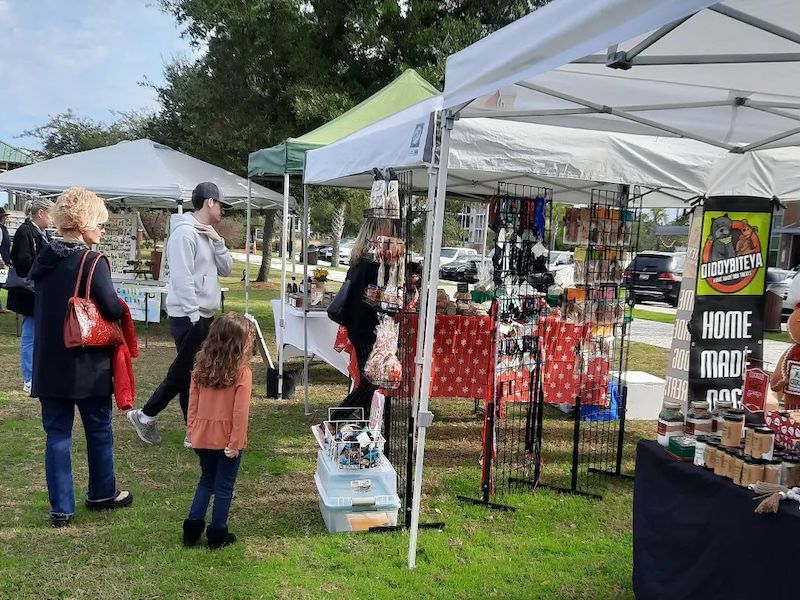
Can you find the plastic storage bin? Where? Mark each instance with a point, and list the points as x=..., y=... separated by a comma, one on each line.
x=349, y=501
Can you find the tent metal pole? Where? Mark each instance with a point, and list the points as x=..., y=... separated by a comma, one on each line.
x=425, y=418
x=624, y=115
x=485, y=231
x=282, y=322
x=291, y=245
x=180, y=207
x=766, y=141
x=249, y=239
x=743, y=17
x=305, y=299
x=423, y=294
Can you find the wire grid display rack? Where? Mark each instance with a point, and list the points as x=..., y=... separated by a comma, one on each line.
x=603, y=306
x=399, y=423
x=521, y=217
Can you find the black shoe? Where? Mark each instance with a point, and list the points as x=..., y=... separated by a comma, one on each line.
x=121, y=500
x=57, y=521
x=218, y=537
x=192, y=530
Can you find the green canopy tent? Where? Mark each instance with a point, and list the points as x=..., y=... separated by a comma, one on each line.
x=287, y=159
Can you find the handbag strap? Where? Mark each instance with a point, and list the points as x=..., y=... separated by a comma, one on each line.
x=91, y=273
x=80, y=272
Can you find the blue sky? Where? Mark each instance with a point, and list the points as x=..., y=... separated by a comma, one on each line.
x=87, y=55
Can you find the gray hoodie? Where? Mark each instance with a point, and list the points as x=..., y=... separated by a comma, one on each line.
x=195, y=262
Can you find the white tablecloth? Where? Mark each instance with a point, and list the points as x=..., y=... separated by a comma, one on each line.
x=321, y=336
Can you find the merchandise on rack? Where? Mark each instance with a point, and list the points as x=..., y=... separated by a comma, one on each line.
x=119, y=243
x=586, y=351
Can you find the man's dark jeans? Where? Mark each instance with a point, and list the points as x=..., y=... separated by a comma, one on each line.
x=188, y=339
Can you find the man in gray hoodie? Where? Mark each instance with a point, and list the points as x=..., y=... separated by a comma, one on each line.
x=196, y=255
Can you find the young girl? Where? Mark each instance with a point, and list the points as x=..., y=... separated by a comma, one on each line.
x=219, y=407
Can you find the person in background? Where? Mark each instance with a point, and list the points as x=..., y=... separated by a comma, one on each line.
x=360, y=318
x=29, y=240
x=197, y=256
x=65, y=378
x=5, y=249
x=219, y=409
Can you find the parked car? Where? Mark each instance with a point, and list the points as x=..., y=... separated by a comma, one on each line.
x=464, y=268
x=778, y=282
x=325, y=252
x=656, y=276
x=561, y=264
x=345, y=248
x=448, y=255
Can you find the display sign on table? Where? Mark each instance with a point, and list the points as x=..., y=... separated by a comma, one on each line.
x=727, y=324
x=677, y=380
x=135, y=296
x=119, y=242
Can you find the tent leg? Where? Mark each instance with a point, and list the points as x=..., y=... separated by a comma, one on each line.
x=424, y=418
x=249, y=239
x=423, y=300
x=285, y=225
x=305, y=299
x=485, y=232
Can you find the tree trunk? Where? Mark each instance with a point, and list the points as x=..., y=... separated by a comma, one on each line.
x=337, y=227
x=266, y=245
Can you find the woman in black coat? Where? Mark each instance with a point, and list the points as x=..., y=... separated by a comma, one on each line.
x=65, y=378
x=360, y=318
x=29, y=240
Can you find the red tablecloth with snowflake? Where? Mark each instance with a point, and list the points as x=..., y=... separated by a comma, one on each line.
x=563, y=379
x=463, y=361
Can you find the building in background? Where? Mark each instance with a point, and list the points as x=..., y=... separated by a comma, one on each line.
x=11, y=158
x=473, y=219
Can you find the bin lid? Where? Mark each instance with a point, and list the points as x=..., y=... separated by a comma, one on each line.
x=339, y=497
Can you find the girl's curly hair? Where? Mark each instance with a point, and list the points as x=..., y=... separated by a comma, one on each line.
x=225, y=351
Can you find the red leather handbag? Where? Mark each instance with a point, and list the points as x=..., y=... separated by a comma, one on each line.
x=84, y=324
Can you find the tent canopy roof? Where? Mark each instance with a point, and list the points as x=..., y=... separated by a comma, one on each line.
x=724, y=73
x=484, y=152
x=287, y=157
x=140, y=172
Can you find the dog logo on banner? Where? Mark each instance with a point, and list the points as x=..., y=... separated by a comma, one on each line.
x=731, y=255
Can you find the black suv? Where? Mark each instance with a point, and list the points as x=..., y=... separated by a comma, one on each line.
x=656, y=276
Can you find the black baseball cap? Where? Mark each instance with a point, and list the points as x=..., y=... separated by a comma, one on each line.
x=205, y=190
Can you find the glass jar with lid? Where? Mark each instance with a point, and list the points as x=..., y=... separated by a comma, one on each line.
x=670, y=422
x=698, y=419
x=718, y=412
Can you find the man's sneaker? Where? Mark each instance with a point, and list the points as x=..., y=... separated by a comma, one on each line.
x=187, y=443
x=26, y=387
x=146, y=431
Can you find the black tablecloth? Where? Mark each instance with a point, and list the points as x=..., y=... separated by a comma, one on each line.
x=695, y=535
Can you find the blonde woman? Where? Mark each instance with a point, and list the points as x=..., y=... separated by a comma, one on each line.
x=29, y=240
x=360, y=319
x=67, y=378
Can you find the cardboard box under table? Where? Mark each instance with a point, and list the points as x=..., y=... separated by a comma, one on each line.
x=356, y=499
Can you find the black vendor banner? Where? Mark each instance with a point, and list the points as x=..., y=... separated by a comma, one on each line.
x=727, y=324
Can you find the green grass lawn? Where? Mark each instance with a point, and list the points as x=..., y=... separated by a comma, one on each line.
x=554, y=546
x=651, y=315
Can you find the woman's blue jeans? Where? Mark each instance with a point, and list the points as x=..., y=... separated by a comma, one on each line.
x=217, y=478
x=57, y=418
x=26, y=348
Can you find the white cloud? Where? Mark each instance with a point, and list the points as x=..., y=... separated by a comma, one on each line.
x=87, y=56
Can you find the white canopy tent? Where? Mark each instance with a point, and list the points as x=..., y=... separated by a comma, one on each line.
x=137, y=173
x=725, y=73
x=722, y=73
x=726, y=79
